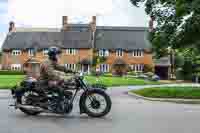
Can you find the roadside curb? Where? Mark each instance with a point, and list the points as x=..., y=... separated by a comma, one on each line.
x=5, y=94
x=181, y=101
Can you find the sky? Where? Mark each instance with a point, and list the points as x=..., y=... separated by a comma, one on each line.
x=3, y=19
x=48, y=13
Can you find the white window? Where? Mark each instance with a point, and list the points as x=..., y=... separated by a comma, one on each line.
x=137, y=67
x=70, y=66
x=16, y=52
x=16, y=67
x=45, y=51
x=103, y=52
x=71, y=51
x=119, y=52
x=138, y=53
x=31, y=52
x=104, y=67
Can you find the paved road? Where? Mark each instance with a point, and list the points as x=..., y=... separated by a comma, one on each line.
x=128, y=115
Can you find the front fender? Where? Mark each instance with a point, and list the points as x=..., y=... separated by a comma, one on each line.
x=84, y=96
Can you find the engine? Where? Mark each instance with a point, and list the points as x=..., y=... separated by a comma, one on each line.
x=58, y=104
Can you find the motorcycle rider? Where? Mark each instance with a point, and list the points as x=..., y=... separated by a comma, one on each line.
x=52, y=72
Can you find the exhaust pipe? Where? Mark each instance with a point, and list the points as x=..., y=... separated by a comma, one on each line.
x=29, y=107
x=33, y=108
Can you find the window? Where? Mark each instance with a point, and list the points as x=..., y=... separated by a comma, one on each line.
x=71, y=51
x=16, y=52
x=103, y=52
x=45, y=51
x=31, y=52
x=16, y=67
x=138, y=53
x=119, y=52
x=104, y=67
x=137, y=67
x=70, y=66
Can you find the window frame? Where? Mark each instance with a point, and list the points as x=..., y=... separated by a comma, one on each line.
x=16, y=52
x=31, y=52
x=103, y=52
x=138, y=53
x=45, y=52
x=17, y=67
x=119, y=52
x=104, y=68
x=137, y=67
x=70, y=66
x=71, y=51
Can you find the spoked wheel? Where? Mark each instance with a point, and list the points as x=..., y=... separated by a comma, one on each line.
x=97, y=103
x=25, y=101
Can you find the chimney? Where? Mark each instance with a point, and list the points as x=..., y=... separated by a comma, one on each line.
x=65, y=22
x=12, y=27
x=93, y=24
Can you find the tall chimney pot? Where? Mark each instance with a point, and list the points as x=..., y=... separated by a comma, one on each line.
x=12, y=27
x=93, y=24
x=65, y=22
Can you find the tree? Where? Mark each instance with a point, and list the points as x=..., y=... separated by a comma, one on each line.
x=177, y=27
x=178, y=23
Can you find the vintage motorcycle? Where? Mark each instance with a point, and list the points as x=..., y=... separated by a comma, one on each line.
x=32, y=101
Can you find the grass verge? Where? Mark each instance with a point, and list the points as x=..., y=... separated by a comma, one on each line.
x=170, y=92
x=8, y=81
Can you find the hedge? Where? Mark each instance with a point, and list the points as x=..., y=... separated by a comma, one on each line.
x=7, y=72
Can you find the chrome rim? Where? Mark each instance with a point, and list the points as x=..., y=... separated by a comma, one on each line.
x=96, y=103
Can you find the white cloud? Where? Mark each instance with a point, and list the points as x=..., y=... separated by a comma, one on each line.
x=48, y=13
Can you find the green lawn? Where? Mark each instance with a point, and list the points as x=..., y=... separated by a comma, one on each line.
x=118, y=81
x=170, y=92
x=7, y=81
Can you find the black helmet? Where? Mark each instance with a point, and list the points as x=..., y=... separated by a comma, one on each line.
x=53, y=51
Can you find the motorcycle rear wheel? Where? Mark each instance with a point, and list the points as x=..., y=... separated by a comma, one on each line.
x=26, y=111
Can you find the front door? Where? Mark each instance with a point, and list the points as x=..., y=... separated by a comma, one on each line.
x=162, y=72
x=119, y=69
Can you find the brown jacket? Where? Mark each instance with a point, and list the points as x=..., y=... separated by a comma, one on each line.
x=52, y=71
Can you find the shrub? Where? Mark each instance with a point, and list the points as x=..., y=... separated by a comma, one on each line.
x=187, y=70
x=148, y=68
x=133, y=73
x=149, y=74
x=107, y=74
x=7, y=72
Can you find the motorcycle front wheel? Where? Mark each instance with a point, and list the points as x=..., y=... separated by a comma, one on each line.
x=97, y=103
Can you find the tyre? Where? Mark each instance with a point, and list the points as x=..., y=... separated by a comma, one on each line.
x=94, y=101
x=20, y=100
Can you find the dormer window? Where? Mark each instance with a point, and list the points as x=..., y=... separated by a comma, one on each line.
x=71, y=51
x=103, y=52
x=31, y=52
x=138, y=53
x=16, y=52
x=119, y=52
x=45, y=51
